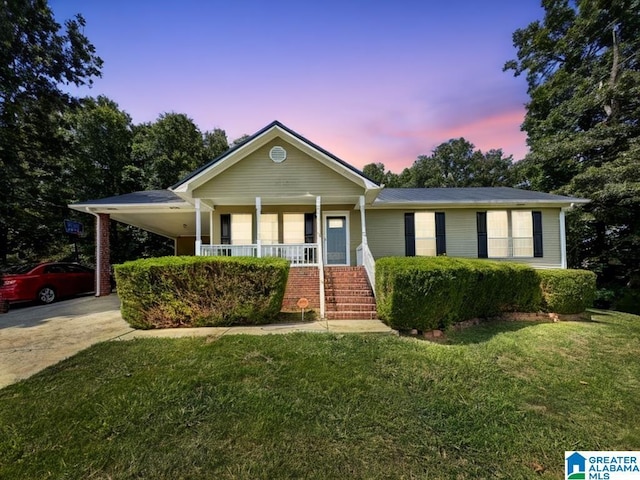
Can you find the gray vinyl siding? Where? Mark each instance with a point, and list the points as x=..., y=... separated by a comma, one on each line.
x=385, y=234
x=299, y=174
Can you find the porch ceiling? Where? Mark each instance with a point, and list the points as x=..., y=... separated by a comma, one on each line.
x=170, y=221
x=170, y=224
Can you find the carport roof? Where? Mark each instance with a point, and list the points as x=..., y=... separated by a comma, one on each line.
x=148, y=197
x=157, y=211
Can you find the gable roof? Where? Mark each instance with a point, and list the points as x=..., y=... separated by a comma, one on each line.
x=274, y=129
x=461, y=196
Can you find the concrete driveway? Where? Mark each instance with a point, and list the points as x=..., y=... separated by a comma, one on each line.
x=34, y=337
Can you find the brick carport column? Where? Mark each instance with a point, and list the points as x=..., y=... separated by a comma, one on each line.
x=103, y=251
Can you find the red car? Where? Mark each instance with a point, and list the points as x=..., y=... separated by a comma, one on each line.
x=46, y=282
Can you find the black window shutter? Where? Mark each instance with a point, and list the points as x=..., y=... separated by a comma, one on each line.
x=309, y=227
x=409, y=235
x=225, y=229
x=481, y=221
x=537, y=233
x=441, y=239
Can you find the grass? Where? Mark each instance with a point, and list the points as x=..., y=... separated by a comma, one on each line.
x=502, y=400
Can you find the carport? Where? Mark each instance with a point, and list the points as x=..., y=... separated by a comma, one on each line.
x=158, y=211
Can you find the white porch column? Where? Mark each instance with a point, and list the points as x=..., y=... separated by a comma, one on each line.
x=563, y=239
x=210, y=227
x=320, y=255
x=363, y=221
x=198, y=229
x=258, y=213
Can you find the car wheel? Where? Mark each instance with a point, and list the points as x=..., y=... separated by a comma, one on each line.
x=46, y=295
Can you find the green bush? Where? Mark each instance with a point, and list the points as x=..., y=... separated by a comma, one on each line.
x=433, y=292
x=201, y=291
x=567, y=291
x=628, y=300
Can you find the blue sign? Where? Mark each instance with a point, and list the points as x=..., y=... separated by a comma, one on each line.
x=73, y=228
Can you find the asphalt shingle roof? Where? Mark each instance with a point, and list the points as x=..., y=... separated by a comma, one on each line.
x=467, y=195
x=388, y=196
x=144, y=197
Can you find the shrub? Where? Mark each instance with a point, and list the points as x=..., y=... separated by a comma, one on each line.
x=567, y=291
x=433, y=292
x=201, y=291
x=628, y=300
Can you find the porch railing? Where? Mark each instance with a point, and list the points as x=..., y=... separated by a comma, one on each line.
x=299, y=254
x=365, y=257
x=229, y=250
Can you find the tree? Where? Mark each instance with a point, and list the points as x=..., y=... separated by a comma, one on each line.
x=606, y=232
x=240, y=140
x=100, y=165
x=375, y=171
x=36, y=57
x=168, y=149
x=215, y=143
x=101, y=136
x=582, y=69
x=583, y=123
x=456, y=163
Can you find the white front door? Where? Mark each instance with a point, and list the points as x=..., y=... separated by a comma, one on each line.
x=336, y=238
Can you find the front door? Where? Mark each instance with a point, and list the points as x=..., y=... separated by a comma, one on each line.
x=336, y=246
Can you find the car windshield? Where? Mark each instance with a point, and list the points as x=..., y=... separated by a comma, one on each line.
x=20, y=269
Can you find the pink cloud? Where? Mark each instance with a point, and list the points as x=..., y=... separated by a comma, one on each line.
x=382, y=141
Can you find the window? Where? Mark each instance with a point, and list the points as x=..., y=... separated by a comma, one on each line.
x=269, y=228
x=425, y=224
x=505, y=234
x=236, y=229
x=424, y=234
x=241, y=229
x=497, y=234
x=522, y=233
x=293, y=228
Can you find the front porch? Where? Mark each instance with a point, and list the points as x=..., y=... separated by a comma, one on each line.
x=309, y=232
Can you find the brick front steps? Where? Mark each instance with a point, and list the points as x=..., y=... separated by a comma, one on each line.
x=303, y=283
x=348, y=295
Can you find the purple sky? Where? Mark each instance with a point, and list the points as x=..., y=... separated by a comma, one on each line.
x=370, y=81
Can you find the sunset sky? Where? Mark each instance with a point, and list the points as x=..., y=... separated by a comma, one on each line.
x=370, y=81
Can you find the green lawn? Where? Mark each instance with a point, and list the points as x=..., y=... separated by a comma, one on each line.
x=502, y=400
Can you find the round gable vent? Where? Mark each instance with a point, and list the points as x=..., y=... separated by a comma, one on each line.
x=278, y=154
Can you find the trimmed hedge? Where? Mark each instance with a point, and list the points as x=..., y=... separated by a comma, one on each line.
x=567, y=291
x=201, y=291
x=428, y=293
